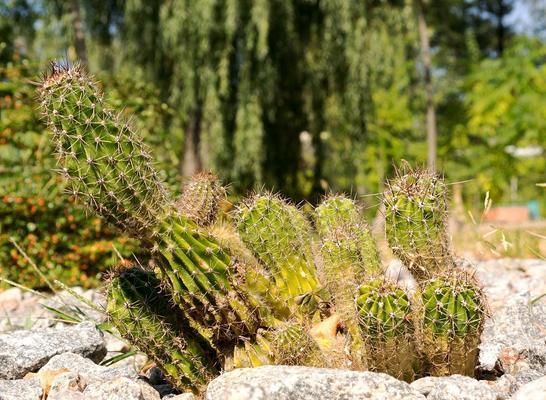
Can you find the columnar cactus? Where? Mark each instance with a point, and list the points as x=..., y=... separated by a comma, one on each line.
x=415, y=214
x=453, y=314
x=201, y=198
x=145, y=316
x=109, y=168
x=387, y=324
x=279, y=236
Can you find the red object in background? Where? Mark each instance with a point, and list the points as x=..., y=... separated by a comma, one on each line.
x=507, y=214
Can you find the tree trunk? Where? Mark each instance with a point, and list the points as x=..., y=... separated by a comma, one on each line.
x=425, y=56
x=79, y=33
x=191, y=161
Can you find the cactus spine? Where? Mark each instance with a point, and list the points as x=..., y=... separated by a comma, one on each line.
x=145, y=317
x=109, y=168
x=279, y=236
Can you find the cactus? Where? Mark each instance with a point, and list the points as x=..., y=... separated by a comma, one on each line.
x=387, y=326
x=415, y=214
x=279, y=236
x=145, y=317
x=201, y=198
x=109, y=168
x=453, y=314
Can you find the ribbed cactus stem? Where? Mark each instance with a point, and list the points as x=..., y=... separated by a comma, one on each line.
x=109, y=168
x=346, y=236
x=415, y=222
x=146, y=318
x=279, y=236
x=387, y=326
x=201, y=197
x=454, y=311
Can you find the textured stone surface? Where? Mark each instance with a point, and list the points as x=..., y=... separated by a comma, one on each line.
x=514, y=340
x=26, y=351
x=454, y=387
x=304, y=383
x=21, y=389
x=183, y=396
x=120, y=389
x=535, y=390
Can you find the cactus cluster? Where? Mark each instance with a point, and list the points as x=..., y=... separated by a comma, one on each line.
x=266, y=284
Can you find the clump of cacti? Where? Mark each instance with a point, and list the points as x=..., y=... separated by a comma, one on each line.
x=263, y=287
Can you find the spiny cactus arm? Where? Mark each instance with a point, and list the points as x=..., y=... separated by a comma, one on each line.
x=386, y=320
x=105, y=162
x=279, y=236
x=146, y=318
x=453, y=315
x=201, y=197
x=415, y=221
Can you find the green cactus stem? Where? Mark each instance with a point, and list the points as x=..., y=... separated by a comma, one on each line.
x=146, y=318
x=108, y=168
x=387, y=328
x=453, y=315
x=201, y=197
x=279, y=236
x=415, y=222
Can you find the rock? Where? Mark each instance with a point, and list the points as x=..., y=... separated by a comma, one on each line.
x=21, y=389
x=535, y=390
x=27, y=351
x=120, y=389
x=454, y=387
x=87, y=368
x=514, y=340
x=305, y=383
x=10, y=299
x=504, y=387
x=183, y=396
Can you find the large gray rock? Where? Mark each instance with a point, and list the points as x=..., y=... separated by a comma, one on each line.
x=305, y=383
x=21, y=389
x=85, y=380
x=514, y=340
x=454, y=387
x=535, y=390
x=27, y=351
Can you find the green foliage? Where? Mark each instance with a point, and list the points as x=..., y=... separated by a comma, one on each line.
x=54, y=231
x=145, y=316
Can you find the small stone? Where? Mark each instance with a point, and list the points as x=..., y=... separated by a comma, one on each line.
x=119, y=389
x=305, y=383
x=10, y=299
x=21, y=389
x=68, y=385
x=535, y=390
x=183, y=396
x=27, y=351
x=454, y=387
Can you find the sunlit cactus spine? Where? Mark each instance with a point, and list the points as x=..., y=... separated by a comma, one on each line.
x=146, y=318
x=387, y=326
x=201, y=197
x=109, y=168
x=453, y=314
x=415, y=222
x=280, y=237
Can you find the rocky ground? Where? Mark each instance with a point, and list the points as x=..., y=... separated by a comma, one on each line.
x=42, y=357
